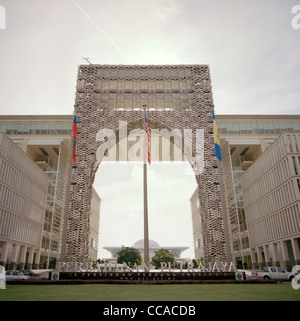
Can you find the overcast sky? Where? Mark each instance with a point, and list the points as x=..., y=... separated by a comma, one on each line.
x=250, y=45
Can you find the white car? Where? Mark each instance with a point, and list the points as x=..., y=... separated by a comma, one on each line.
x=15, y=275
x=275, y=273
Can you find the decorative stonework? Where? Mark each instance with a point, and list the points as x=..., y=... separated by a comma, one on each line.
x=176, y=97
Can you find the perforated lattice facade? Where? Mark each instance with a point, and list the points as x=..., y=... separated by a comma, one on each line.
x=176, y=97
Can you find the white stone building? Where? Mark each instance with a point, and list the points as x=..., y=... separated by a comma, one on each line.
x=271, y=188
x=46, y=140
x=23, y=193
x=244, y=138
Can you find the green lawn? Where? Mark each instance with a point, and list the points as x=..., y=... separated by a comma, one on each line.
x=113, y=292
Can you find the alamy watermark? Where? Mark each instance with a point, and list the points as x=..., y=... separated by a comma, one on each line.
x=296, y=18
x=131, y=146
x=296, y=279
x=2, y=17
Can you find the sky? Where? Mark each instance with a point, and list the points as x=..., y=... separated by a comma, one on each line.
x=250, y=45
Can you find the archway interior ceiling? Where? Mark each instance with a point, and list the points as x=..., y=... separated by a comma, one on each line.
x=177, y=99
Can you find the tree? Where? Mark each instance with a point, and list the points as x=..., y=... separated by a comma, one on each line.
x=162, y=255
x=195, y=263
x=129, y=255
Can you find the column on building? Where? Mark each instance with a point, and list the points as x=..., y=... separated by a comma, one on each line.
x=13, y=260
x=285, y=255
x=30, y=258
x=37, y=258
x=267, y=255
x=22, y=259
x=253, y=258
x=296, y=250
x=260, y=258
x=4, y=253
x=275, y=256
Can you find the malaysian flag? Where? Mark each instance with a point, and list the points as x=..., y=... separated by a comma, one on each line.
x=148, y=139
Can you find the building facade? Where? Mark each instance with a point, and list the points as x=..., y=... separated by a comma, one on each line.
x=243, y=139
x=271, y=189
x=47, y=140
x=23, y=193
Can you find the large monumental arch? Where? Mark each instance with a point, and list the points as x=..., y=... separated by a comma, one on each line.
x=175, y=97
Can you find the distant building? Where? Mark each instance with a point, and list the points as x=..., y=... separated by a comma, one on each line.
x=153, y=247
x=271, y=188
x=23, y=193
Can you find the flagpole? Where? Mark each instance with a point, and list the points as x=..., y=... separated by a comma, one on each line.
x=146, y=232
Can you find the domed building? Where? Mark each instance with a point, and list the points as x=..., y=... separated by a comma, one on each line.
x=153, y=247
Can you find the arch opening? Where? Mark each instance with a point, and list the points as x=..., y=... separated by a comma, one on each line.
x=121, y=190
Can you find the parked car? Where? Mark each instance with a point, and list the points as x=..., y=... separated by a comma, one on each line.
x=275, y=273
x=15, y=275
x=30, y=273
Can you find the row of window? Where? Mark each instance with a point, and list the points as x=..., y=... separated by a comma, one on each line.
x=285, y=144
x=274, y=177
x=38, y=132
x=140, y=96
x=156, y=105
x=113, y=101
x=12, y=177
x=241, y=246
x=280, y=224
x=18, y=228
x=277, y=199
x=255, y=127
x=13, y=154
x=36, y=127
x=137, y=85
x=177, y=100
x=20, y=204
x=49, y=244
x=147, y=72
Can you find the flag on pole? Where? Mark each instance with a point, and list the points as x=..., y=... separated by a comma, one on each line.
x=216, y=139
x=147, y=139
x=75, y=134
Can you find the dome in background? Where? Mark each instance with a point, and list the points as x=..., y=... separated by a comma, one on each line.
x=140, y=244
x=153, y=247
